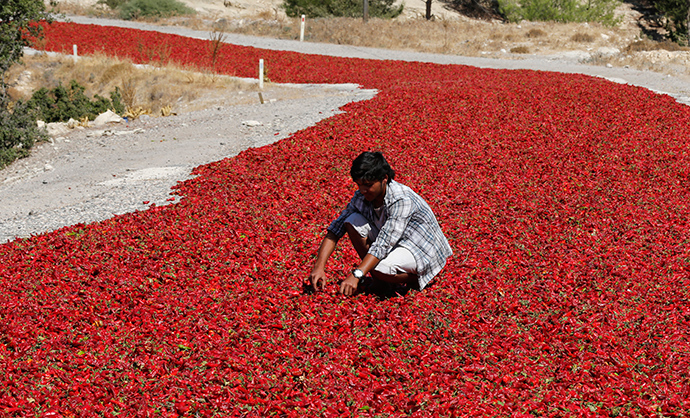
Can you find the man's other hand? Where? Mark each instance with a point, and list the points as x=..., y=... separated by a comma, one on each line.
x=349, y=286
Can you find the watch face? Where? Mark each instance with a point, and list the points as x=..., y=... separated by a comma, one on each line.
x=357, y=273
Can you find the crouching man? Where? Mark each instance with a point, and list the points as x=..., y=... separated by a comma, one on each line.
x=390, y=226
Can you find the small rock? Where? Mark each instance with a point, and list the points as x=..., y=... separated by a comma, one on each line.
x=57, y=128
x=251, y=123
x=107, y=117
x=71, y=123
x=144, y=118
x=47, y=167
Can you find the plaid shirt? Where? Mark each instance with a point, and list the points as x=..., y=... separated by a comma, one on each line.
x=410, y=224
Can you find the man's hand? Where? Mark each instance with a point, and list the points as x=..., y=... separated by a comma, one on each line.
x=318, y=279
x=349, y=286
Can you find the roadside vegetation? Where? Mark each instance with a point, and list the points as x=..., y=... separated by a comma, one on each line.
x=142, y=89
x=138, y=9
x=18, y=130
x=341, y=8
x=55, y=88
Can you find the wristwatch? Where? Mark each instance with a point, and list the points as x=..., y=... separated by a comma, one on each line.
x=358, y=273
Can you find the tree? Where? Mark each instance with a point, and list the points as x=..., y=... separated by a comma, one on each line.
x=341, y=8
x=677, y=13
x=17, y=26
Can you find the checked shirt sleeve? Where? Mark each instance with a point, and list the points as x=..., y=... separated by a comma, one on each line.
x=399, y=215
x=337, y=227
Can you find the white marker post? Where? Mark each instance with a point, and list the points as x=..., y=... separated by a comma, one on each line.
x=301, y=30
x=74, y=52
x=261, y=74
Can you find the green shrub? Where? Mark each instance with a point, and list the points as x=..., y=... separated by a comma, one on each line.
x=18, y=132
x=116, y=101
x=565, y=11
x=61, y=103
x=677, y=19
x=134, y=9
x=341, y=8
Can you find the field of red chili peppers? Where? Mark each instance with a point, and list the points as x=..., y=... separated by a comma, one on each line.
x=564, y=197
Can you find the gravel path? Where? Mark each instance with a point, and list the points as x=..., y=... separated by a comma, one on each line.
x=86, y=177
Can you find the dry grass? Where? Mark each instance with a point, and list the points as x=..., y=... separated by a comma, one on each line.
x=649, y=45
x=520, y=50
x=155, y=89
x=457, y=36
x=535, y=33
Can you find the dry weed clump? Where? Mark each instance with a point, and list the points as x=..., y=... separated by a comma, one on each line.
x=649, y=45
x=519, y=50
x=582, y=38
x=535, y=33
x=155, y=90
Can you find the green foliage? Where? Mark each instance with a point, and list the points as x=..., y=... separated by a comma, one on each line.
x=133, y=9
x=18, y=132
x=565, y=11
x=17, y=28
x=116, y=101
x=677, y=19
x=341, y=8
x=61, y=103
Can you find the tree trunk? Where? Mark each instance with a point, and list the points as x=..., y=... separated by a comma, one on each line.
x=366, y=10
x=428, y=9
x=687, y=24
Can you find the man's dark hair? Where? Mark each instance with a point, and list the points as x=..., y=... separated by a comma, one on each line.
x=371, y=166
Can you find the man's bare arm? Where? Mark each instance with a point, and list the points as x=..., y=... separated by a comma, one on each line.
x=318, y=272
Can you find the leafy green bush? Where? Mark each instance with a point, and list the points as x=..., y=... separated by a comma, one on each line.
x=134, y=9
x=61, y=103
x=601, y=11
x=18, y=132
x=341, y=8
x=677, y=19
